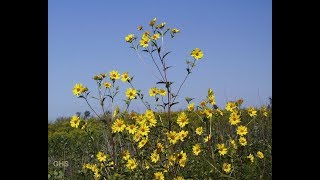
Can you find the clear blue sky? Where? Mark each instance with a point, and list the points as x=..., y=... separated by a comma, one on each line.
x=87, y=38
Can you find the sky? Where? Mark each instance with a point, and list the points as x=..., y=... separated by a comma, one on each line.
x=87, y=38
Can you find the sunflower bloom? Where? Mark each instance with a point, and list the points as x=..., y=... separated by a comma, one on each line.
x=207, y=138
x=131, y=93
x=129, y=38
x=196, y=149
x=252, y=112
x=126, y=155
x=222, y=149
x=162, y=92
x=143, y=130
x=125, y=77
x=199, y=130
x=160, y=147
x=173, y=137
x=226, y=167
x=190, y=107
x=260, y=155
x=158, y=176
x=131, y=128
x=155, y=36
x=118, y=126
x=250, y=157
x=234, y=118
x=182, y=158
x=230, y=106
x=183, y=134
x=233, y=143
x=264, y=111
x=142, y=142
x=153, y=91
x=242, y=141
x=114, y=75
x=78, y=89
x=242, y=130
x=182, y=119
x=101, y=156
x=107, y=84
x=197, y=53
x=219, y=112
x=152, y=22
x=174, y=30
x=154, y=156
x=144, y=42
x=132, y=164
x=75, y=121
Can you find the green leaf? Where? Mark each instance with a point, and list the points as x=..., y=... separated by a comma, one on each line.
x=188, y=99
x=174, y=104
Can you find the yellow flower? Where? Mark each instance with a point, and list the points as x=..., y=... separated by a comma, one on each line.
x=199, y=130
x=153, y=91
x=158, y=176
x=107, y=84
x=136, y=137
x=146, y=166
x=182, y=158
x=78, y=89
x=191, y=107
x=197, y=53
x=196, y=149
x=226, y=167
x=131, y=128
x=207, y=138
x=132, y=164
x=116, y=111
x=251, y=157
x=172, y=137
x=131, y=93
x=182, y=119
x=155, y=36
x=242, y=141
x=208, y=112
x=172, y=159
x=142, y=142
x=125, y=77
x=203, y=103
x=234, y=118
x=162, y=92
x=129, y=38
x=211, y=100
x=154, y=156
x=252, y=112
x=84, y=125
x=152, y=22
x=118, y=126
x=126, y=155
x=141, y=119
x=114, y=75
x=182, y=134
x=222, y=149
x=178, y=178
x=174, y=30
x=242, y=130
x=230, y=106
x=160, y=25
x=144, y=41
x=233, y=143
x=264, y=111
x=149, y=114
x=75, y=121
x=143, y=130
x=101, y=156
x=220, y=112
x=160, y=147
x=260, y=155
